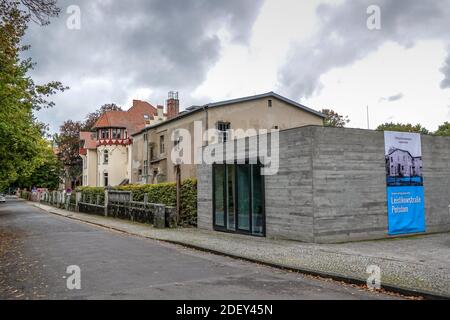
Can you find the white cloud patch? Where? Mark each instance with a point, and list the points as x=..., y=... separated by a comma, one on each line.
x=344, y=38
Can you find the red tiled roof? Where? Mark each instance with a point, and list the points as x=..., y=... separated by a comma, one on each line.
x=89, y=141
x=133, y=119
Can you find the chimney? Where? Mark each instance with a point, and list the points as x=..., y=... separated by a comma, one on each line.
x=160, y=110
x=173, y=105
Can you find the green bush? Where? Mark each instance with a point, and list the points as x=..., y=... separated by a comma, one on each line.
x=89, y=193
x=162, y=193
x=25, y=194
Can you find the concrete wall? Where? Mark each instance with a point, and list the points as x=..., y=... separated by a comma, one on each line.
x=349, y=184
x=436, y=175
x=289, y=202
x=331, y=186
x=289, y=196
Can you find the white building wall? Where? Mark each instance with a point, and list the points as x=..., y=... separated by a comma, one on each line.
x=117, y=166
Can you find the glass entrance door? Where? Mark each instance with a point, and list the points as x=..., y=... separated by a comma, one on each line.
x=238, y=199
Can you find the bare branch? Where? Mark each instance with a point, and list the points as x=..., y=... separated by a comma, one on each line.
x=41, y=11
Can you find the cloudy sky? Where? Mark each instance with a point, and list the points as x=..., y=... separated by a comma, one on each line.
x=320, y=53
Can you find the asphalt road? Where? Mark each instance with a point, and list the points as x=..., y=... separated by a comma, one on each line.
x=36, y=248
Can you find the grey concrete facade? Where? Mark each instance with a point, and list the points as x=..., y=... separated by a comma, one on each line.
x=331, y=186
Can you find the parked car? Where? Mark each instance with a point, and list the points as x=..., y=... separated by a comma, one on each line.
x=2, y=198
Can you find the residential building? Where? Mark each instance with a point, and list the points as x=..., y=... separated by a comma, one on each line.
x=106, y=152
x=152, y=145
x=400, y=163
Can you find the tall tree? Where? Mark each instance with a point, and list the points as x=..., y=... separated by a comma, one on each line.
x=68, y=142
x=92, y=117
x=418, y=128
x=22, y=148
x=443, y=130
x=46, y=175
x=334, y=119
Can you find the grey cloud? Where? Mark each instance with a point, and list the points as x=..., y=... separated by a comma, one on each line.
x=344, y=38
x=446, y=71
x=395, y=97
x=159, y=44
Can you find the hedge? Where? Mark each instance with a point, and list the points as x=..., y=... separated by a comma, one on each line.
x=162, y=193
x=92, y=193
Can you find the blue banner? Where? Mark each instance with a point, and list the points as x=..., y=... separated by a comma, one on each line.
x=404, y=179
x=406, y=210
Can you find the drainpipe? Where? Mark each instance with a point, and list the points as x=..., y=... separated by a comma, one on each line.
x=205, y=108
x=148, y=156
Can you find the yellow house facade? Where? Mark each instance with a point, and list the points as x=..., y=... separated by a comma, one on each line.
x=135, y=146
x=152, y=146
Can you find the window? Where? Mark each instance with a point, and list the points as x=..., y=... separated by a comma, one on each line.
x=177, y=140
x=105, y=179
x=104, y=134
x=105, y=157
x=116, y=133
x=145, y=168
x=152, y=156
x=269, y=103
x=145, y=136
x=223, y=129
x=238, y=198
x=161, y=144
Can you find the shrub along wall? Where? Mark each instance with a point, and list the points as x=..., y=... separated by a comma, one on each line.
x=89, y=193
x=162, y=193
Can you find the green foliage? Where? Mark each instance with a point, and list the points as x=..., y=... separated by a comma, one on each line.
x=188, y=215
x=443, y=130
x=162, y=193
x=22, y=146
x=25, y=194
x=89, y=193
x=68, y=142
x=46, y=175
x=403, y=128
x=334, y=119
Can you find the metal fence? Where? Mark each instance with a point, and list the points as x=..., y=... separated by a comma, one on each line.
x=113, y=203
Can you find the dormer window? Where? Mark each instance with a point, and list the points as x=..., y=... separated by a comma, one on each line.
x=116, y=133
x=104, y=133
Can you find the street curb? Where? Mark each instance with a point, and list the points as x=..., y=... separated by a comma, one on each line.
x=327, y=275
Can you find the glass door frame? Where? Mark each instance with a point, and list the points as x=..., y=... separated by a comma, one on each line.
x=237, y=230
